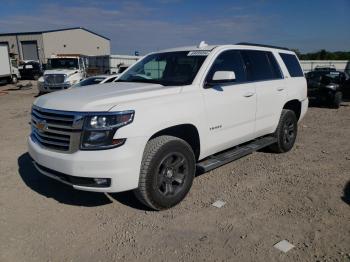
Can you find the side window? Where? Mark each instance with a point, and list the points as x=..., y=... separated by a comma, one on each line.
x=292, y=65
x=258, y=65
x=81, y=64
x=276, y=70
x=14, y=63
x=229, y=61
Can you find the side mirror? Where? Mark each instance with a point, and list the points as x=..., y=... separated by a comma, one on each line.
x=221, y=77
x=224, y=76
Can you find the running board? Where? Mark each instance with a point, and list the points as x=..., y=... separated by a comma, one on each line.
x=235, y=153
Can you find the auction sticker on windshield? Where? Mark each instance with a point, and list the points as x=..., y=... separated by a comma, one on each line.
x=198, y=53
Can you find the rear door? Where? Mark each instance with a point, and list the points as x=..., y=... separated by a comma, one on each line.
x=230, y=106
x=264, y=71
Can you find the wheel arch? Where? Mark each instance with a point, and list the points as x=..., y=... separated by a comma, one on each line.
x=295, y=106
x=187, y=132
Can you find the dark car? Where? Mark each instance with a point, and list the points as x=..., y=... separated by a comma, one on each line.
x=30, y=70
x=328, y=86
x=325, y=68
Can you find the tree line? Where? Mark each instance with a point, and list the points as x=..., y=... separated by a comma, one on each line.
x=323, y=55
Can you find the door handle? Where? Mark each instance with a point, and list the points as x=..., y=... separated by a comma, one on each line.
x=248, y=94
x=280, y=88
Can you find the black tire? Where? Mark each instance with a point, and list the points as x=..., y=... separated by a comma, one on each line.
x=14, y=79
x=286, y=132
x=167, y=172
x=36, y=77
x=338, y=97
x=8, y=80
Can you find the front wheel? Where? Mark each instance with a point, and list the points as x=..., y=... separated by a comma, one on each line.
x=14, y=79
x=167, y=172
x=286, y=132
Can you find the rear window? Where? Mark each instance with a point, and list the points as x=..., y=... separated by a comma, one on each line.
x=260, y=65
x=292, y=65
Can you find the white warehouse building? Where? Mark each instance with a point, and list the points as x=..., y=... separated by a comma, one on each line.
x=42, y=44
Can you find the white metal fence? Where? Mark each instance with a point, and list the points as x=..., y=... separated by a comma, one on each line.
x=117, y=61
x=110, y=64
x=341, y=65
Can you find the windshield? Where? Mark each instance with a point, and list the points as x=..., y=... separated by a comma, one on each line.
x=326, y=77
x=90, y=81
x=172, y=68
x=63, y=63
x=316, y=75
x=332, y=77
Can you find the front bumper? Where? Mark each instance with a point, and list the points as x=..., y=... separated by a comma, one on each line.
x=121, y=165
x=73, y=180
x=52, y=88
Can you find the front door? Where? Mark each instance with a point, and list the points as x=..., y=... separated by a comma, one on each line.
x=231, y=106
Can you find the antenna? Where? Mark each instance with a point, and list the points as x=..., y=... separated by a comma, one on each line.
x=202, y=44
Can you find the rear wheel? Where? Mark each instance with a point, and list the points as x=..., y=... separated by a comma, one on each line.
x=338, y=97
x=286, y=132
x=167, y=172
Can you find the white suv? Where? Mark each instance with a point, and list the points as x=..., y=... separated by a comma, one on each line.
x=171, y=113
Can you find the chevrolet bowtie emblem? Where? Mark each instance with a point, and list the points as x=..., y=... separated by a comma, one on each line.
x=41, y=125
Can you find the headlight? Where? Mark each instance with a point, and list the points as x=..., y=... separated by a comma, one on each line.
x=99, y=130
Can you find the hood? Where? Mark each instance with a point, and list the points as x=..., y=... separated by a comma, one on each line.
x=102, y=97
x=68, y=72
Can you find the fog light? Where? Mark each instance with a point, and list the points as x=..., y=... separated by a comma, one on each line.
x=118, y=142
x=101, y=181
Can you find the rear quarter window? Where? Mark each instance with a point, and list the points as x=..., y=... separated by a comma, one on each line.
x=292, y=65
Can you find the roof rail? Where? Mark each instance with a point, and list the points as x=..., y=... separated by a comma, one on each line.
x=260, y=45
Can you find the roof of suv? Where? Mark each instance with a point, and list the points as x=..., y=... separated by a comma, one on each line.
x=204, y=47
x=190, y=48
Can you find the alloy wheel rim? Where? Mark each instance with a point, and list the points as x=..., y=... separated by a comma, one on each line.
x=289, y=132
x=172, y=173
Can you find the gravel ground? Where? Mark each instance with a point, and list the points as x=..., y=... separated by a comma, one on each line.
x=301, y=196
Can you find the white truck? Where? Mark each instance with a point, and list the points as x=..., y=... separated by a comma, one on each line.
x=9, y=72
x=62, y=71
x=171, y=113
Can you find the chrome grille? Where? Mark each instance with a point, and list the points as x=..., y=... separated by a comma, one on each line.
x=56, y=130
x=54, y=79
